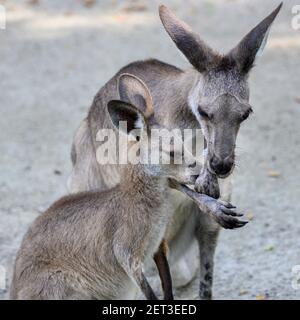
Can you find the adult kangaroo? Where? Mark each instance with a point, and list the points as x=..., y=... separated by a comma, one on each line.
x=213, y=96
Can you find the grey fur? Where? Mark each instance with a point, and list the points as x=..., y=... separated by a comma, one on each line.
x=93, y=245
x=219, y=86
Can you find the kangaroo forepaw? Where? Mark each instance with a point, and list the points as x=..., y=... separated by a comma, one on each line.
x=207, y=183
x=224, y=213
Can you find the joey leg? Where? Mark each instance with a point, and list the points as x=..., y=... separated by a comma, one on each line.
x=144, y=285
x=162, y=264
x=133, y=266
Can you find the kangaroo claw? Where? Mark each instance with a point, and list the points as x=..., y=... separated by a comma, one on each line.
x=229, y=222
x=227, y=204
x=231, y=212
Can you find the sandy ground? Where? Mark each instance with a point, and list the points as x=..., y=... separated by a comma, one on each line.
x=55, y=55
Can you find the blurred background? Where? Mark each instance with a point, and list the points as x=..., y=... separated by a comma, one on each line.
x=55, y=55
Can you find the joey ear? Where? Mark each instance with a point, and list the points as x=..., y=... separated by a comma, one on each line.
x=134, y=90
x=201, y=56
x=253, y=43
x=123, y=111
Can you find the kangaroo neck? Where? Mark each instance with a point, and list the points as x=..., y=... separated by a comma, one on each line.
x=172, y=108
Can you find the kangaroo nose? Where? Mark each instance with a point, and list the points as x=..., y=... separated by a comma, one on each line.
x=219, y=166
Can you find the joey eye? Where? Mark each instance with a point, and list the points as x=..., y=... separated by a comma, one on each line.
x=203, y=113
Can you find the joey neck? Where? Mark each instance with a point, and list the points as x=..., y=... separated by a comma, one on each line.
x=134, y=179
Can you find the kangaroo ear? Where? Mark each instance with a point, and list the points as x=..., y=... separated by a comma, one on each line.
x=134, y=90
x=253, y=43
x=123, y=111
x=196, y=51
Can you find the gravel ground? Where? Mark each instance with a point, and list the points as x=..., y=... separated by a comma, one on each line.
x=55, y=55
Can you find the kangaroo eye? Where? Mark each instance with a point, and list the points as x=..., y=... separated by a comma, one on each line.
x=203, y=113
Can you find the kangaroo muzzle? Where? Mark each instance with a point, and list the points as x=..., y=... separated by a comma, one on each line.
x=221, y=167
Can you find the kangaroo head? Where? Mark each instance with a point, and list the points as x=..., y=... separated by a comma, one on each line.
x=158, y=150
x=219, y=98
